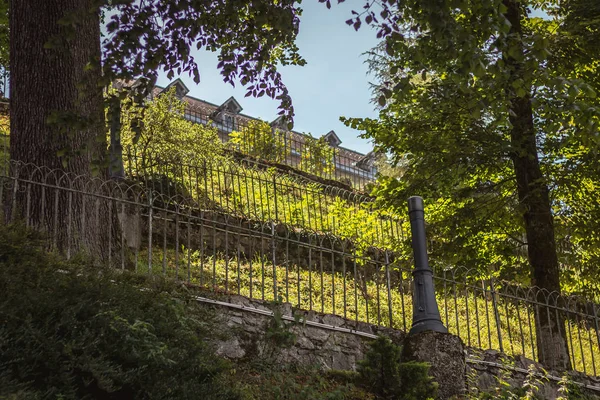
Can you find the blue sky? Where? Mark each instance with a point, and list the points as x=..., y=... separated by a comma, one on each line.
x=333, y=83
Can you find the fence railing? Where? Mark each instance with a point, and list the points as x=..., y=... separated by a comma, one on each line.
x=133, y=226
x=259, y=194
x=287, y=148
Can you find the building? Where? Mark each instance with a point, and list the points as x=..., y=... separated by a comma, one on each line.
x=350, y=166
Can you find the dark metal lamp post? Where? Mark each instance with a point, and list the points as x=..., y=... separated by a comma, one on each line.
x=426, y=315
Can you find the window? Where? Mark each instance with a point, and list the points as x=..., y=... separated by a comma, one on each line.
x=228, y=121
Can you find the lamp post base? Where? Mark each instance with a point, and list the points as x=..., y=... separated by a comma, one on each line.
x=434, y=325
x=445, y=354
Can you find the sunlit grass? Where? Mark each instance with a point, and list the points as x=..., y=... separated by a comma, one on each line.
x=482, y=321
x=268, y=195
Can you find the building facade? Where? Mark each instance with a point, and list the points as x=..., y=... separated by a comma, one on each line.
x=349, y=166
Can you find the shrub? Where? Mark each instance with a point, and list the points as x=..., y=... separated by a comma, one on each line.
x=318, y=157
x=71, y=332
x=167, y=137
x=383, y=373
x=259, y=140
x=299, y=383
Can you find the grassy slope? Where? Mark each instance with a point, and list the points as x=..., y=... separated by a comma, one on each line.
x=466, y=314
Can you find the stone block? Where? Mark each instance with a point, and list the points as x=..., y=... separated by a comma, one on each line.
x=446, y=355
x=231, y=349
x=304, y=343
x=234, y=321
x=316, y=334
x=333, y=320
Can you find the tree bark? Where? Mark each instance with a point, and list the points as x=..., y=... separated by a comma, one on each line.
x=57, y=117
x=534, y=199
x=46, y=81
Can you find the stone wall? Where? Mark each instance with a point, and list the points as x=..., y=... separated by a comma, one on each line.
x=486, y=369
x=332, y=342
x=324, y=340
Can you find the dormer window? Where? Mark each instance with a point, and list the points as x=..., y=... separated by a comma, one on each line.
x=179, y=92
x=180, y=89
x=231, y=106
x=332, y=139
x=225, y=114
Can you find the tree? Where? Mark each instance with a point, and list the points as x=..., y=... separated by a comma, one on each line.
x=253, y=37
x=58, y=69
x=574, y=157
x=260, y=140
x=50, y=45
x=317, y=157
x=472, y=96
x=167, y=136
x=168, y=151
x=4, y=45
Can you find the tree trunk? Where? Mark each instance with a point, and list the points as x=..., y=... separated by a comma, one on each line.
x=57, y=117
x=535, y=204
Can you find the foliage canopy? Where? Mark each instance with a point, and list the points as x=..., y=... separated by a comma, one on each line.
x=166, y=135
x=448, y=95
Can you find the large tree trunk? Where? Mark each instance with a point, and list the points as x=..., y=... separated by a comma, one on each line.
x=45, y=81
x=57, y=117
x=535, y=204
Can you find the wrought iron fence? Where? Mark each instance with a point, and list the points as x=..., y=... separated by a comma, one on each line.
x=140, y=228
x=288, y=148
x=253, y=192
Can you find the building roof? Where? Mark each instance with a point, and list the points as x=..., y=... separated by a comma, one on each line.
x=232, y=106
x=332, y=138
x=180, y=87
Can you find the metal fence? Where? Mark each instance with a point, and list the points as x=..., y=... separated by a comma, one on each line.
x=139, y=228
x=251, y=191
x=288, y=148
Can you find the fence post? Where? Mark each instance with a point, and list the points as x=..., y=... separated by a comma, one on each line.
x=275, y=198
x=426, y=315
x=496, y=314
x=274, y=241
x=150, y=209
x=595, y=313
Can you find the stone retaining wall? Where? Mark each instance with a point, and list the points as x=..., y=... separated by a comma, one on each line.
x=339, y=344
x=486, y=369
x=323, y=346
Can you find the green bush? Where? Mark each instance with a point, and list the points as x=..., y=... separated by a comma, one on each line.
x=298, y=383
x=318, y=157
x=383, y=373
x=71, y=332
x=167, y=137
x=259, y=140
